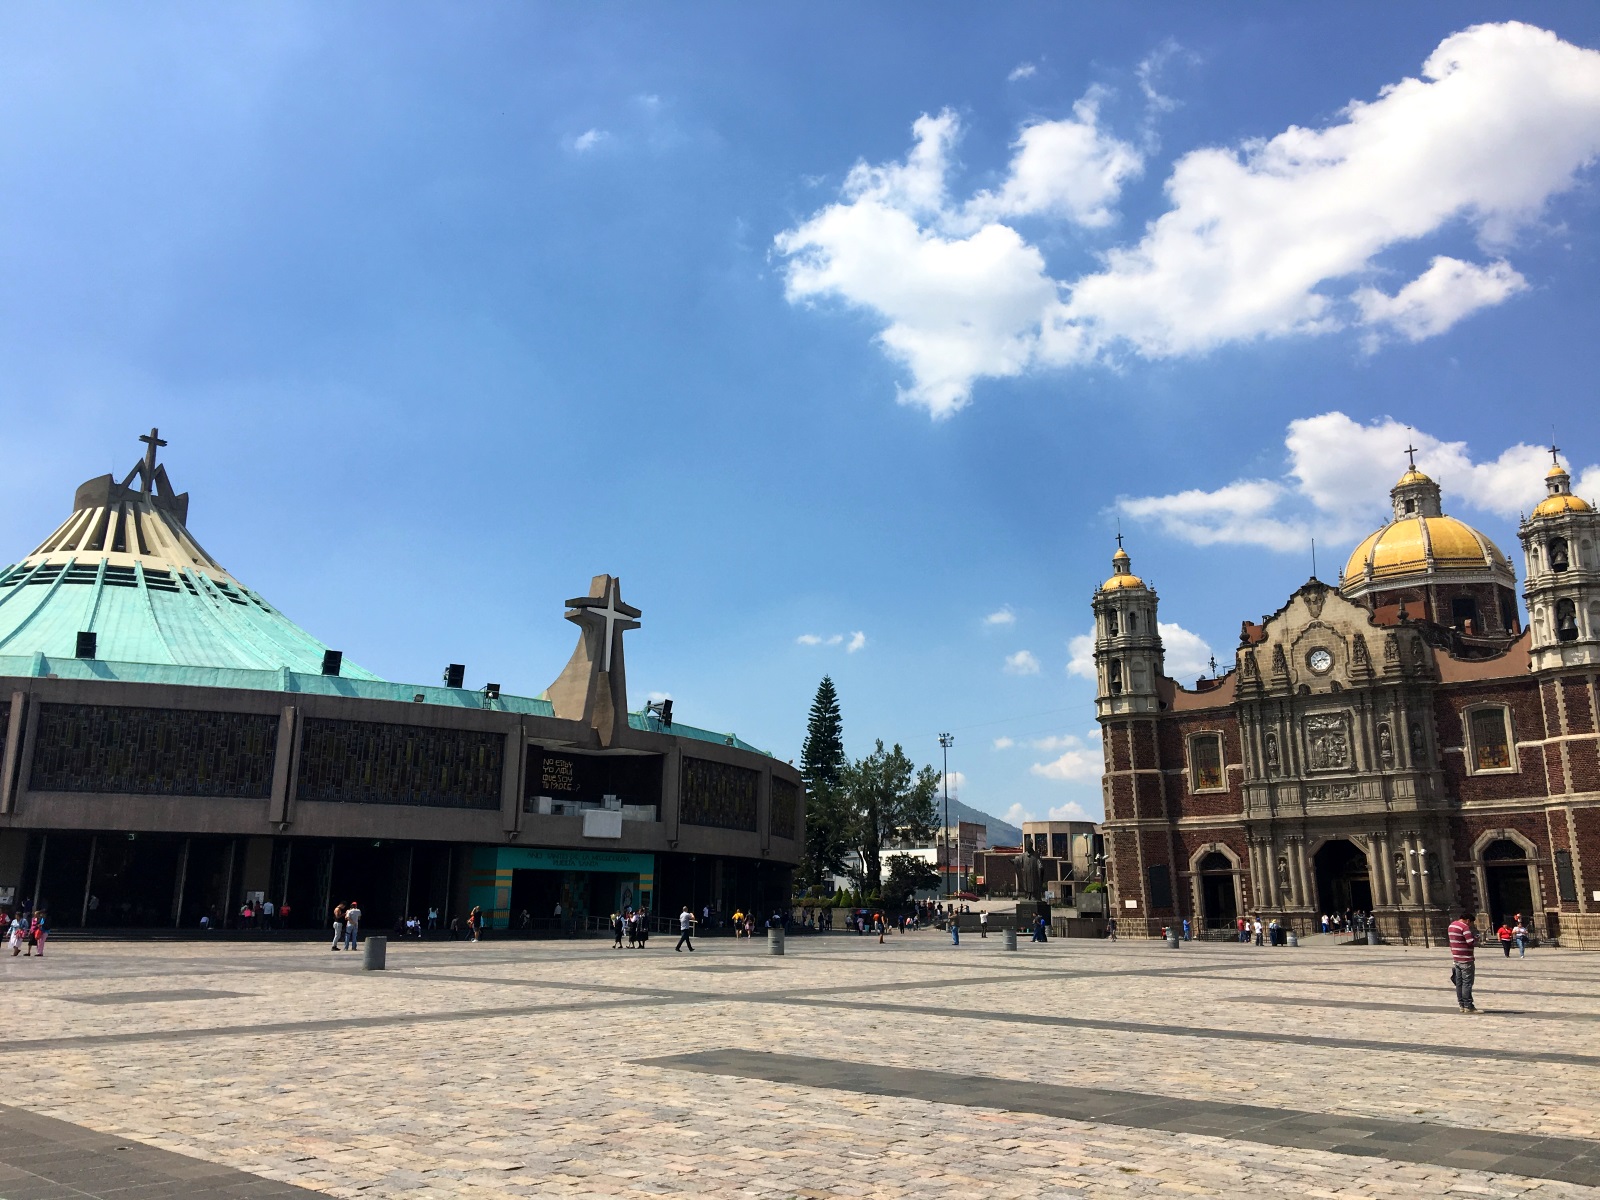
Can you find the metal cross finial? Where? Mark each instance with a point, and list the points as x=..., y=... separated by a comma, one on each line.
x=1555, y=450
x=1119, y=533
x=151, y=440
x=1411, y=452
x=1213, y=666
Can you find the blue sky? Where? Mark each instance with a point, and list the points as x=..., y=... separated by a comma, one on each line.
x=845, y=336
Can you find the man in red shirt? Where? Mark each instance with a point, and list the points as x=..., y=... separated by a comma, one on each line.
x=1463, y=941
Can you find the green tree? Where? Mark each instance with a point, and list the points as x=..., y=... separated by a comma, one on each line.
x=907, y=876
x=888, y=798
x=823, y=765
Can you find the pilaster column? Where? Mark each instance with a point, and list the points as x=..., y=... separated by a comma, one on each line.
x=1297, y=871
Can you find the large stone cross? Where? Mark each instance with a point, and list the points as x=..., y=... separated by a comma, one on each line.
x=151, y=440
x=609, y=611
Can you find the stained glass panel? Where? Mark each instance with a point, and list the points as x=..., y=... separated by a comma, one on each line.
x=153, y=751
x=718, y=795
x=370, y=762
x=785, y=802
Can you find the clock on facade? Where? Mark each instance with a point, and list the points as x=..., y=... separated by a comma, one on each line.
x=1319, y=660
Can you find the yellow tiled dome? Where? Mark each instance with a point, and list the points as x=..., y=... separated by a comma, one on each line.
x=1122, y=573
x=1403, y=548
x=1553, y=506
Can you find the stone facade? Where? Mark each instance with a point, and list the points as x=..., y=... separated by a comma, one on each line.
x=1398, y=744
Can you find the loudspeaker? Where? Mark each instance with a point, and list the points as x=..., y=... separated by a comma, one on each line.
x=87, y=645
x=332, y=660
x=454, y=675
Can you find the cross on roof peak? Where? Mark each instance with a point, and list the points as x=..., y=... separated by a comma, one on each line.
x=1555, y=452
x=1411, y=453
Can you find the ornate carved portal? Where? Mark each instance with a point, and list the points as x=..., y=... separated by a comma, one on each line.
x=1328, y=742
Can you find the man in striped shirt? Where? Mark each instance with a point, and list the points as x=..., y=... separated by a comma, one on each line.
x=1463, y=941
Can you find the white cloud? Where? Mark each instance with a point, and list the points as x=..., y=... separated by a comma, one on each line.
x=589, y=139
x=1063, y=741
x=955, y=779
x=1072, y=765
x=1022, y=662
x=1082, y=650
x=1275, y=237
x=1022, y=71
x=658, y=697
x=1003, y=616
x=1335, y=486
x=1004, y=743
x=857, y=640
x=1435, y=300
x=1185, y=654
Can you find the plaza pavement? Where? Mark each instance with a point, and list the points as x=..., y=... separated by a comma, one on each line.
x=842, y=1069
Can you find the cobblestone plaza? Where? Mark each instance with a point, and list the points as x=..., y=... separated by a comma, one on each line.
x=843, y=1068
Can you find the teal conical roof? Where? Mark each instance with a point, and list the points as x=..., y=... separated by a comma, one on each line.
x=124, y=567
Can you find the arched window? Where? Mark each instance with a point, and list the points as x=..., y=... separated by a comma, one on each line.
x=1566, y=621
x=1111, y=622
x=1205, y=762
x=1558, y=554
x=1411, y=506
x=1133, y=621
x=1215, y=861
x=1501, y=850
x=1490, y=732
x=1114, y=676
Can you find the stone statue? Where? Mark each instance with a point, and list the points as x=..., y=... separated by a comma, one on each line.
x=1030, y=876
x=1385, y=745
x=1272, y=754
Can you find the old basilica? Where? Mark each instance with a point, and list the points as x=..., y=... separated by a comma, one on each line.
x=1398, y=744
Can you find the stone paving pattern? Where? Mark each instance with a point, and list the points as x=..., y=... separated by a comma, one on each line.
x=519, y=1069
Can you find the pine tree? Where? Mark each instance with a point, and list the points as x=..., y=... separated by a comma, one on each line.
x=822, y=766
x=822, y=759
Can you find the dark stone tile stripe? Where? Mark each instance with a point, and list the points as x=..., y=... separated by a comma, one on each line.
x=1569, y=1160
x=155, y=997
x=1445, y=1006
x=1278, y=1037
x=42, y=1158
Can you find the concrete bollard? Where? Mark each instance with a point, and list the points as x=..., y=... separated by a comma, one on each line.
x=1372, y=937
x=1291, y=939
x=774, y=941
x=1011, y=939
x=373, y=952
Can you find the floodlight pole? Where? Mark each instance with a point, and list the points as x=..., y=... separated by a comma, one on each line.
x=945, y=742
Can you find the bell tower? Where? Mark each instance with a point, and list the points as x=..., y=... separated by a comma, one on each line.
x=1127, y=643
x=1561, y=544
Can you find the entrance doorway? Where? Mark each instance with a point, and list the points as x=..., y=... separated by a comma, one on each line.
x=1343, y=880
x=1219, y=893
x=1509, y=891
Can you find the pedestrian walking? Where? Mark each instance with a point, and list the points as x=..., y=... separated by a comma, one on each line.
x=685, y=929
x=352, y=925
x=475, y=921
x=16, y=934
x=1463, y=941
x=983, y=923
x=1111, y=929
x=433, y=918
x=617, y=920
x=955, y=930
x=1258, y=928
x=1186, y=929
x=338, y=928
x=1519, y=934
x=268, y=911
x=1504, y=934
x=38, y=929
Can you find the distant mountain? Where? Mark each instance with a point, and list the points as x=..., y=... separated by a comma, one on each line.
x=1000, y=833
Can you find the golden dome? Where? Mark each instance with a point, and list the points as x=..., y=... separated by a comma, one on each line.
x=1406, y=546
x=1564, y=502
x=1554, y=471
x=1122, y=575
x=1412, y=476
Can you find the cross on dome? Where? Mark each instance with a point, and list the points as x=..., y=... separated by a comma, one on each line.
x=1411, y=454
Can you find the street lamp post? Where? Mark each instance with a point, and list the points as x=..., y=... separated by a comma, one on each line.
x=945, y=742
x=1418, y=873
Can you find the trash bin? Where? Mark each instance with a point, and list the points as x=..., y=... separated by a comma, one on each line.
x=1011, y=939
x=373, y=952
x=774, y=941
x=1372, y=937
x=1173, y=941
x=1290, y=939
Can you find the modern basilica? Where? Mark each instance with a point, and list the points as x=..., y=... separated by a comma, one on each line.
x=1399, y=743
x=172, y=745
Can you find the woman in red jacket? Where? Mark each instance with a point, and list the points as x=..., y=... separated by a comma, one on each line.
x=1504, y=934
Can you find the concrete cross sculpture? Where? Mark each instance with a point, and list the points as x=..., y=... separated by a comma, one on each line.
x=593, y=688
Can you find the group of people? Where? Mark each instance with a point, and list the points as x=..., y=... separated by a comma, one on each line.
x=1513, y=933
x=1346, y=922
x=262, y=915
x=632, y=924
x=346, y=926
x=25, y=931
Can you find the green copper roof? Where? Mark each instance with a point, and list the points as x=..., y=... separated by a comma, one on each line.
x=124, y=567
